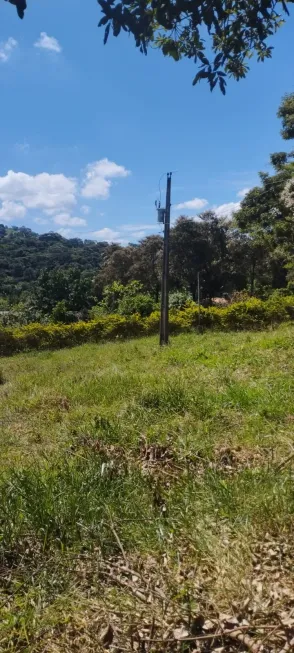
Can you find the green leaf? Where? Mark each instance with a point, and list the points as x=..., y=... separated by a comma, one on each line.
x=106, y=34
x=103, y=21
x=202, y=58
x=222, y=85
x=202, y=74
x=116, y=28
x=213, y=83
x=218, y=60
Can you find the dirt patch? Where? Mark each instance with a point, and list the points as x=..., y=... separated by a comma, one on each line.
x=163, y=461
x=234, y=459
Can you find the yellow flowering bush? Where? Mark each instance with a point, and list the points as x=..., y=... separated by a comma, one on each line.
x=250, y=314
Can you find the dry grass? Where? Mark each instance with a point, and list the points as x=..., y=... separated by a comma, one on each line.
x=142, y=488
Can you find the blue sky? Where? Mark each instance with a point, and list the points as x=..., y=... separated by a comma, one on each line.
x=87, y=130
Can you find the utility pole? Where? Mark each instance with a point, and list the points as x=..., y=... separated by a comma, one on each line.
x=164, y=321
x=198, y=297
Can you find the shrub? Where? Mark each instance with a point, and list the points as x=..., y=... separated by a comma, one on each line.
x=245, y=315
x=281, y=292
x=20, y=315
x=239, y=296
x=180, y=300
x=126, y=300
x=61, y=314
x=142, y=304
x=252, y=314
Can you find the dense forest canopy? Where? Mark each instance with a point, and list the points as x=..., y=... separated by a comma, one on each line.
x=25, y=254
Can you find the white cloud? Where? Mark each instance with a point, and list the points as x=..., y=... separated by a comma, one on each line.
x=227, y=210
x=46, y=42
x=106, y=234
x=66, y=233
x=40, y=221
x=12, y=210
x=137, y=235
x=55, y=195
x=97, y=178
x=128, y=233
x=138, y=227
x=43, y=191
x=137, y=231
x=7, y=48
x=54, y=210
x=196, y=203
x=243, y=192
x=85, y=209
x=66, y=220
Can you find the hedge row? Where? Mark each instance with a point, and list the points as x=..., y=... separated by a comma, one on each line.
x=252, y=314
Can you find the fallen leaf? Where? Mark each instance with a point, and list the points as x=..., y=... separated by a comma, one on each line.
x=181, y=632
x=208, y=625
x=229, y=620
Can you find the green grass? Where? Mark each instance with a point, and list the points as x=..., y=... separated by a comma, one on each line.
x=171, y=452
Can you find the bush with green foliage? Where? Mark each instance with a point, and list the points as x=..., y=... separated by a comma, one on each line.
x=142, y=304
x=180, y=299
x=252, y=314
x=20, y=315
x=60, y=314
x=125, y=300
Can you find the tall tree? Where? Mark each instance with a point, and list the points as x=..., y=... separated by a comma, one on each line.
x=70, y=286
x=116, y=267
x=266, y=212
x=146, y=267
x=139, y=262
x=188, y=252
x=238, y=259
x=213, y=230
x=198, y=246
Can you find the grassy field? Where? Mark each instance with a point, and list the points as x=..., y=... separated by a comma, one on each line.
x=142, y=487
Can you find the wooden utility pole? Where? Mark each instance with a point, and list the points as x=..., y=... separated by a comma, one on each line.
x=164, y=321
x=198, y=298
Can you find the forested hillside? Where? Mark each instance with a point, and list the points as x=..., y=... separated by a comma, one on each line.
x=25, y=254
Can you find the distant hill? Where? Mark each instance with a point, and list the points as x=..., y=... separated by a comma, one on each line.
x=24, y=254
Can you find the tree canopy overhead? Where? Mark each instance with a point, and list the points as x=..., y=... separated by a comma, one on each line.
x=218, y=35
